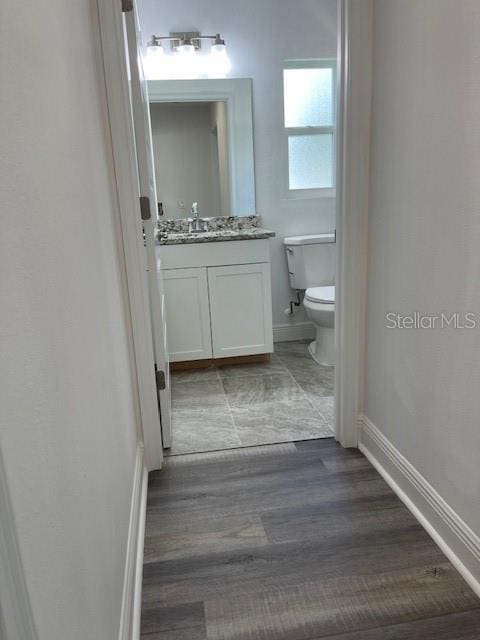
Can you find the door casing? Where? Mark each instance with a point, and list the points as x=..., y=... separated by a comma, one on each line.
x=354, y=92
x=133, y=255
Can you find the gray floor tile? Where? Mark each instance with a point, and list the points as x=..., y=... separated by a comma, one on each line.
x=199, y=395
x=324, y=406
x=298, y=348
x=194, y=375
x=275, y=365
x=315, y=382
x=312, y=377
x=304, y=369
x=289, y=398
x=272, y=422
x=202, y=430
x=253, y=390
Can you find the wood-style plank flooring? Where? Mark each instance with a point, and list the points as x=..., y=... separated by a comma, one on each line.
x=293, y=542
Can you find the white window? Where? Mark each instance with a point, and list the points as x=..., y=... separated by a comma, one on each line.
x=309, y=92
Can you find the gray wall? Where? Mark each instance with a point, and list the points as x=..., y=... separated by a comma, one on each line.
x=184, y=152
x=422, y=387
x=218, y=114
x=67, y=434
x=259, y=37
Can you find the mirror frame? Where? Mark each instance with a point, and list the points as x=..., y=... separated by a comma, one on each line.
x=237, y=93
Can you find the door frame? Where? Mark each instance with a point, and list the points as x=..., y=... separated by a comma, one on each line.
x=237, y=95
x=353, y=156
x=353, y=137
x=122, y=138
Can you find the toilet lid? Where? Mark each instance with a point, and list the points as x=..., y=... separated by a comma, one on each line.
x=326, y=295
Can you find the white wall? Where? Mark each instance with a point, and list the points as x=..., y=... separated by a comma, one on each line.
x=68, y=418
x=185, y=166
x=218, y=113
x=259, y=37
x=424, y=235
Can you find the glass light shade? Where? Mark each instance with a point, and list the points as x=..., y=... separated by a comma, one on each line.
x=154, y=63
x=186, y=49
x=218, y=63
x=185, y=62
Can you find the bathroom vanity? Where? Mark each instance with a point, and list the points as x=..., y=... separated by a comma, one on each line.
x=217, y=291
x=216, y=269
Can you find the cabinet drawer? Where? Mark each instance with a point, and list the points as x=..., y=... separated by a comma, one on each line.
x=240, y=309
x=187, y=313
x=212, y=254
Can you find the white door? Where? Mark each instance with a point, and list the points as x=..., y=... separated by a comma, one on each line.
x=240, y=309
x=187, y=292
x=148, y=193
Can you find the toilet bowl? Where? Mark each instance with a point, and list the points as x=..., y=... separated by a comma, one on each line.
x=311, y=265
x=319, y=303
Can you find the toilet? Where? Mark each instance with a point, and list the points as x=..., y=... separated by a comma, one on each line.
x=311, y=268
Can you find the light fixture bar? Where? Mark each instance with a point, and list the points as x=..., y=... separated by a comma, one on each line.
x=186, y=60
x=186, y=38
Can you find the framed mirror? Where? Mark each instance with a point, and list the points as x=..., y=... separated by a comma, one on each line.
x=203, y=146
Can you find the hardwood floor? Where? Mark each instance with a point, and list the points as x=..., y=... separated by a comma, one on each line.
x=293, y=542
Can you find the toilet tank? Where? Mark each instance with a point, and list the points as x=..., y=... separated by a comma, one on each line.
x=311, y=260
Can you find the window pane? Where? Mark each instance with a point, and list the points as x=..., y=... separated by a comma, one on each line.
x=310, y=161
x=308, y=97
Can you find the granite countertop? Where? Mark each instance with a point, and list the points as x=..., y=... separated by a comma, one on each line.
x=219, y=230
x=220, y=235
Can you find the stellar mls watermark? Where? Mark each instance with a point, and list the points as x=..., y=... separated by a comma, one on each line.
x=418, y=320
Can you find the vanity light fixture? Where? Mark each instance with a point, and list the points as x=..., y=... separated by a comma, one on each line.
x=186, y=59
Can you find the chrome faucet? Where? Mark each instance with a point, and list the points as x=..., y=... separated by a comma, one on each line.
x=196, y=224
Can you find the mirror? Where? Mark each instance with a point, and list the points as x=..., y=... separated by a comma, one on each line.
x=190, y=145
x=203, y=146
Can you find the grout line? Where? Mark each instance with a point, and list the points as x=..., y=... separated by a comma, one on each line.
x=203, y=409
x=228, y=406
x=231, y=415
x=220, y=379
x=286, y=370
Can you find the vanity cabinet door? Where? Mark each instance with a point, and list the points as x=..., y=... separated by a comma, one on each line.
x=240, y=309
x=188, y=315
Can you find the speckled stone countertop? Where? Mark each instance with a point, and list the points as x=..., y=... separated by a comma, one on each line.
x=220, y=229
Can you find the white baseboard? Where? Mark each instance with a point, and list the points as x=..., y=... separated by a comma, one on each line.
x=455, y=538
x=289, y=332
x=132, y=585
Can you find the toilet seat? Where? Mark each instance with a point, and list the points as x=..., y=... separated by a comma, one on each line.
x=324, y=295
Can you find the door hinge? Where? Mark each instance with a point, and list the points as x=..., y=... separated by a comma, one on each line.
x=160, y=379
x=145, y=208
x=127, y=5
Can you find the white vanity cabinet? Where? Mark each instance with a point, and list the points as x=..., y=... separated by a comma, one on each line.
x=218, y=299
x=240, y=309
x=188, y=314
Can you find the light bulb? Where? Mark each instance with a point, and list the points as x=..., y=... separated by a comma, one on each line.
x=154, y=62
x=219, y=63
x=185, y=61
x=186, y=49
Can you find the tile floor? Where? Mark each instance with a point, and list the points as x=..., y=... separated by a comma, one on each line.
x=289, y=398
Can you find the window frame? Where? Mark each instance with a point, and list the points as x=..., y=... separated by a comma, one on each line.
x=320, y=192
